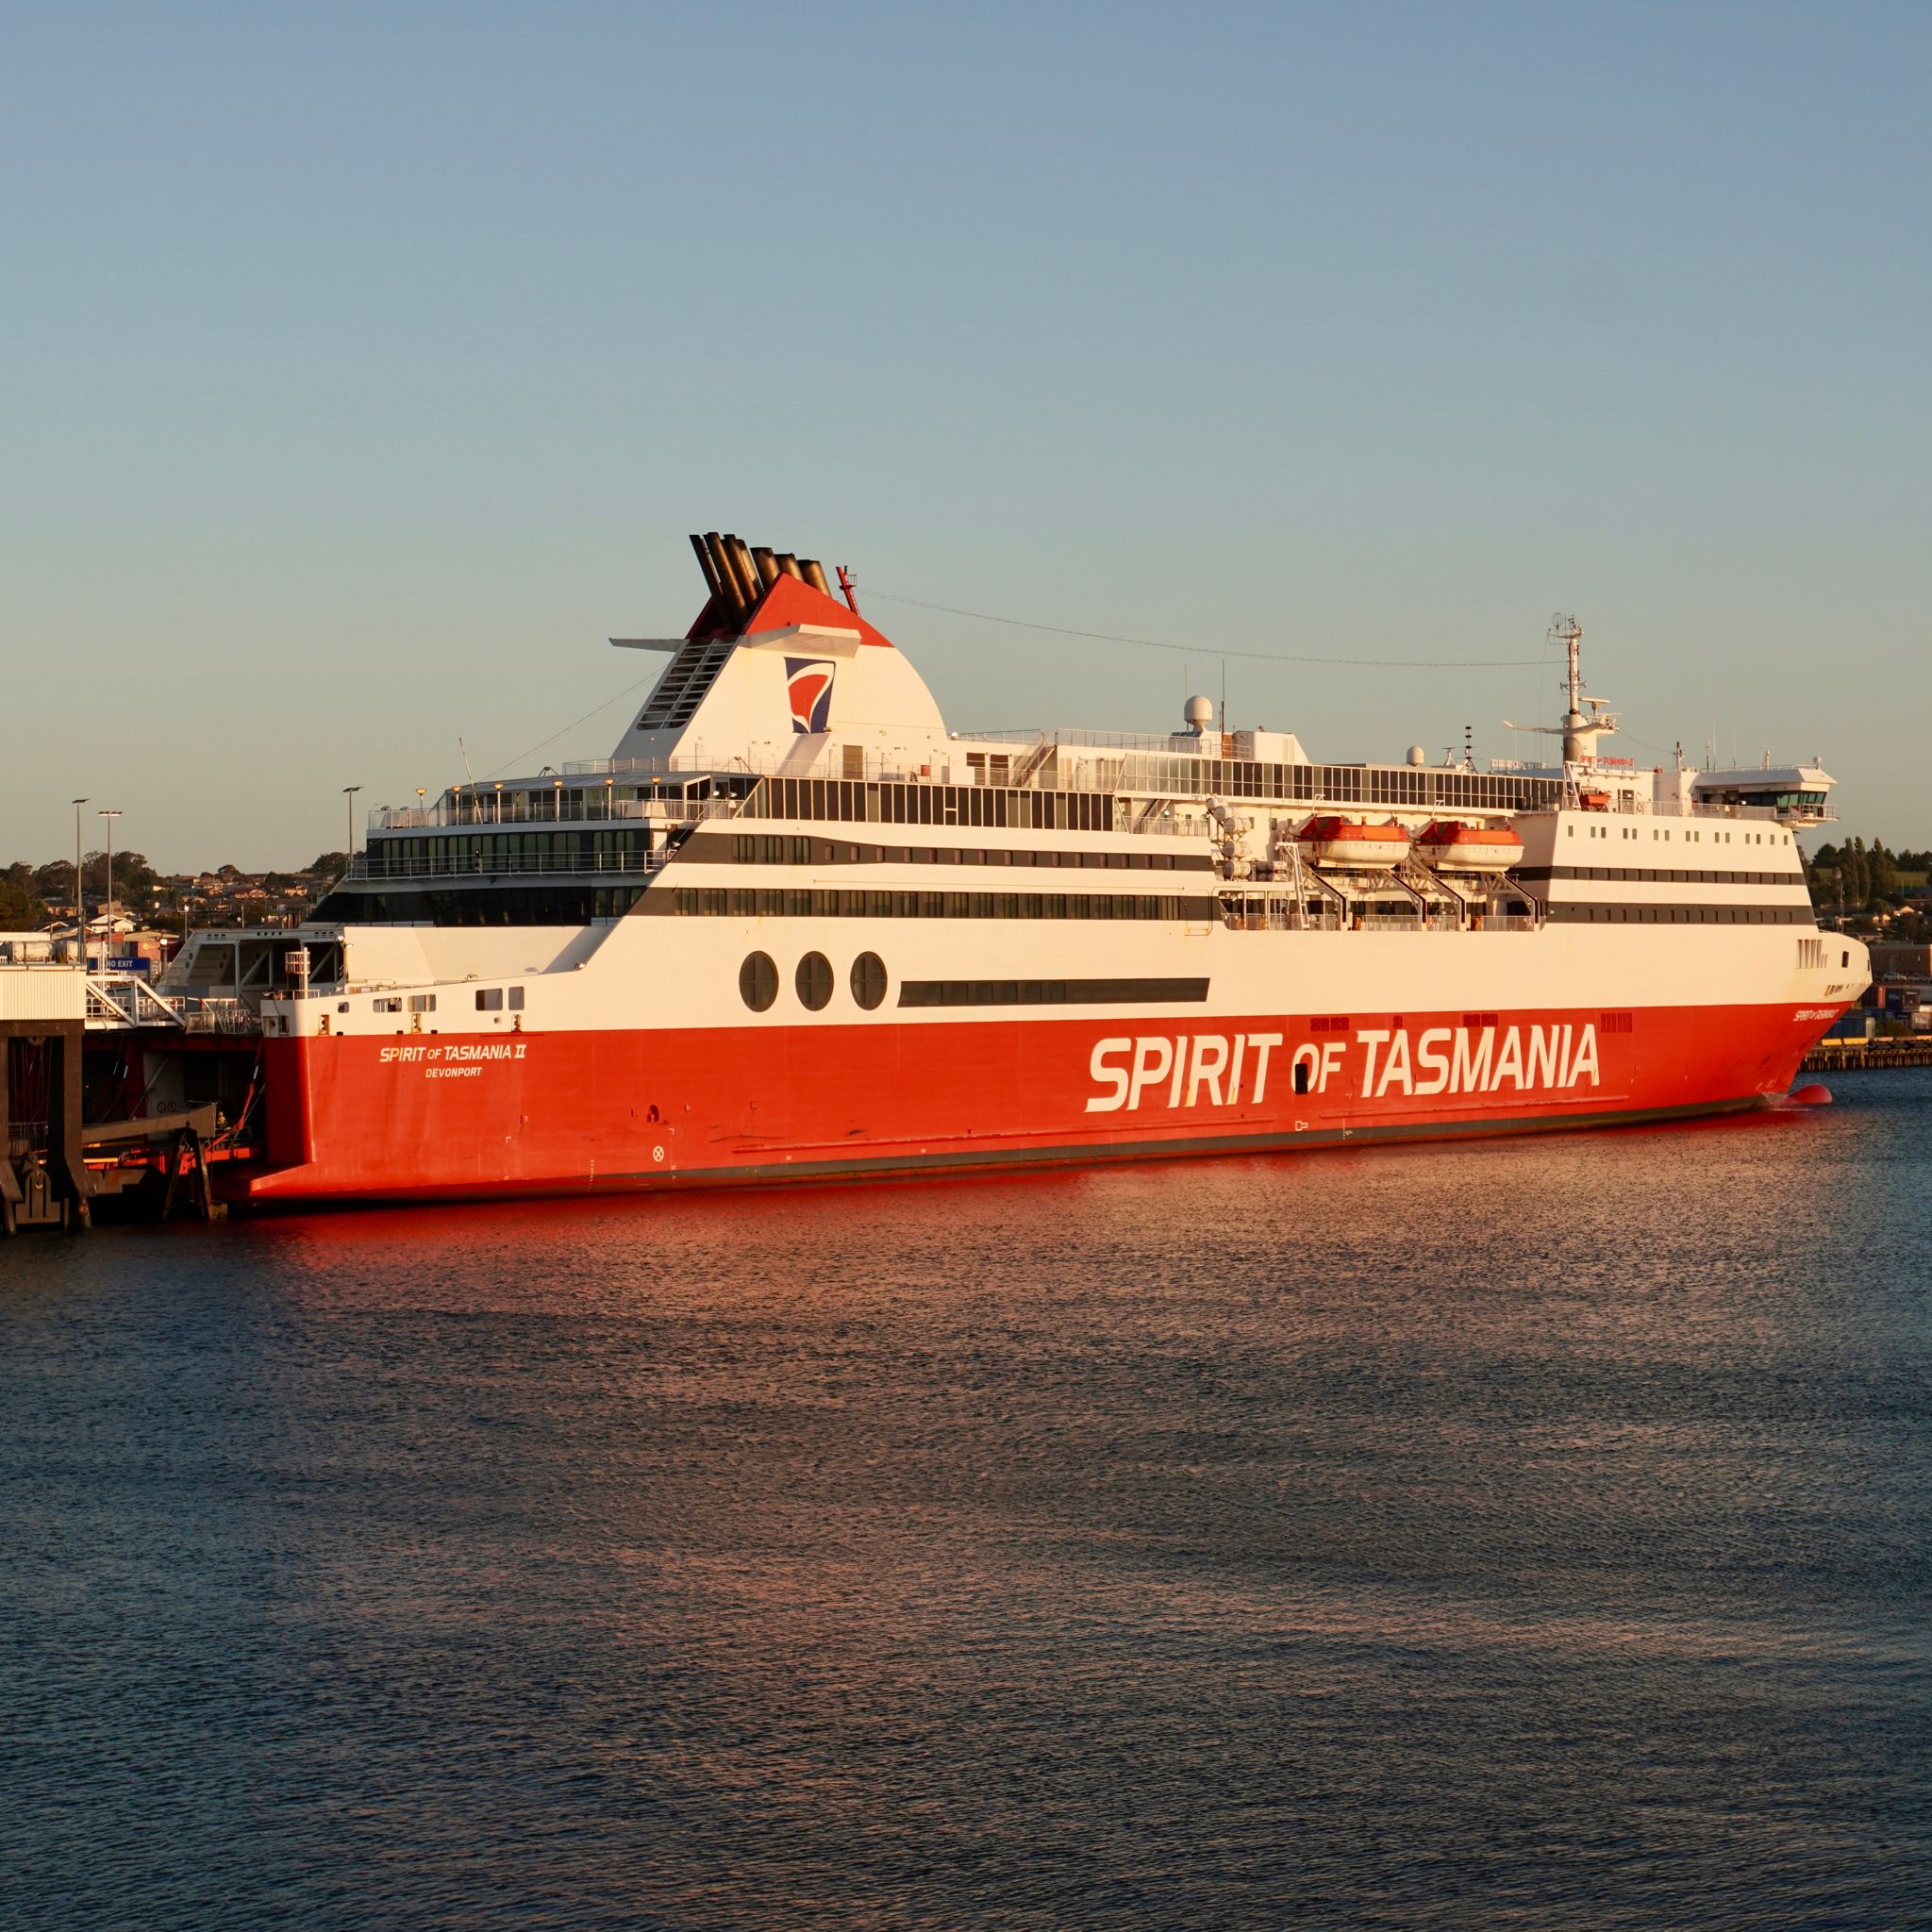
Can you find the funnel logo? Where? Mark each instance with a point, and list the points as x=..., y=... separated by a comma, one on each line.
x=808, y=685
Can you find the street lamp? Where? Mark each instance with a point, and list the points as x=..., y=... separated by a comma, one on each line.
x=110, y=813
x=79, y=903
x=349, y=792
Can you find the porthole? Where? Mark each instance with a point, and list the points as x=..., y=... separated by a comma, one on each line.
x=814, y=982
x=868, y=981
x=757, y=982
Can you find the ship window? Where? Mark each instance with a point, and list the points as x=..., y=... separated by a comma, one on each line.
x=868, y=981
x=813, y=980
x=386, y=1006
x=421, y=1003
x=490, y=999
x=516, y=999
x=757, y=982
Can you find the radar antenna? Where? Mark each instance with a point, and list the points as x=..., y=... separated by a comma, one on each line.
x=1568, y=632
x=1580, y=729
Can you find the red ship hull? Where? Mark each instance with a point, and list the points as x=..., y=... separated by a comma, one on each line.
x=419, y=1116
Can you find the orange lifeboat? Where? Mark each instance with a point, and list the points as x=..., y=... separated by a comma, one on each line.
x=1452, y=846
x=1349, y=842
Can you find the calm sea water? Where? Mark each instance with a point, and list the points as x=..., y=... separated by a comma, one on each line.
x=1531, y=1536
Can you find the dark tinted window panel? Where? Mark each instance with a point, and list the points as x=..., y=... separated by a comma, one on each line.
x=1050, y=992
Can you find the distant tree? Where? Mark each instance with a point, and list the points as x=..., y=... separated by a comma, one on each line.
x=1884, y=873
x=134, y=877
x=56, y=881
x=20, y=905
x=330, y=865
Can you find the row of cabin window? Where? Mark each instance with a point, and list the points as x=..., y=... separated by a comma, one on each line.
x=887, y=801
x=1681, y=915
x=781, y=849
x=748, y=901
x=491, y=905
x=1690, y=837
x=1403, y=785
x=479, y=849
x=1660, y=875
x=490, y=999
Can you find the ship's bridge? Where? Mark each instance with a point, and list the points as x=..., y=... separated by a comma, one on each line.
x=1798, y=794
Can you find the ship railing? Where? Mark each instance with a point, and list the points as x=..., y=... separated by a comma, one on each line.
x=1274, y=918
x=117, y=1001
x=1076, y=739
x=126, y=999
x=223, y=1016
x=486, y=810
x=1763, y=814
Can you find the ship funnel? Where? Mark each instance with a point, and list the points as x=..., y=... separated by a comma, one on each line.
x=738, y=575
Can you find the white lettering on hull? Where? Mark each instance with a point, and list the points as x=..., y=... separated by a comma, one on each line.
x=1205, y=1068
x=1224, y=1070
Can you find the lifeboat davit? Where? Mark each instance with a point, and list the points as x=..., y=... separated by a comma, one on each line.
x=1452, y=846
x=1348, y=842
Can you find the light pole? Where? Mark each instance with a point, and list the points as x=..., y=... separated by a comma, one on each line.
x=110, y=813
x=349, y=792
x=79, y=903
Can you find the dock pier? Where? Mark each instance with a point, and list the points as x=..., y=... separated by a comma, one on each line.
x=1848, y=1056
x=55, y=1165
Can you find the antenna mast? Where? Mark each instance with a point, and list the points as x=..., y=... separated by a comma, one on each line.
x=1567, y=631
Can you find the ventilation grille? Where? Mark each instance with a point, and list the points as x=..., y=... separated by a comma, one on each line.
x=685, y=679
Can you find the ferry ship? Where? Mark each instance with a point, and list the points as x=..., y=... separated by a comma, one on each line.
x=794, y=927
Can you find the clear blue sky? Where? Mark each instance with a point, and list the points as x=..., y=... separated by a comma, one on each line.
x=364, y=368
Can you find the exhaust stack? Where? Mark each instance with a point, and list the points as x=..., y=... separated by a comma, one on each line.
x=738, y=575
x=712, y=579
